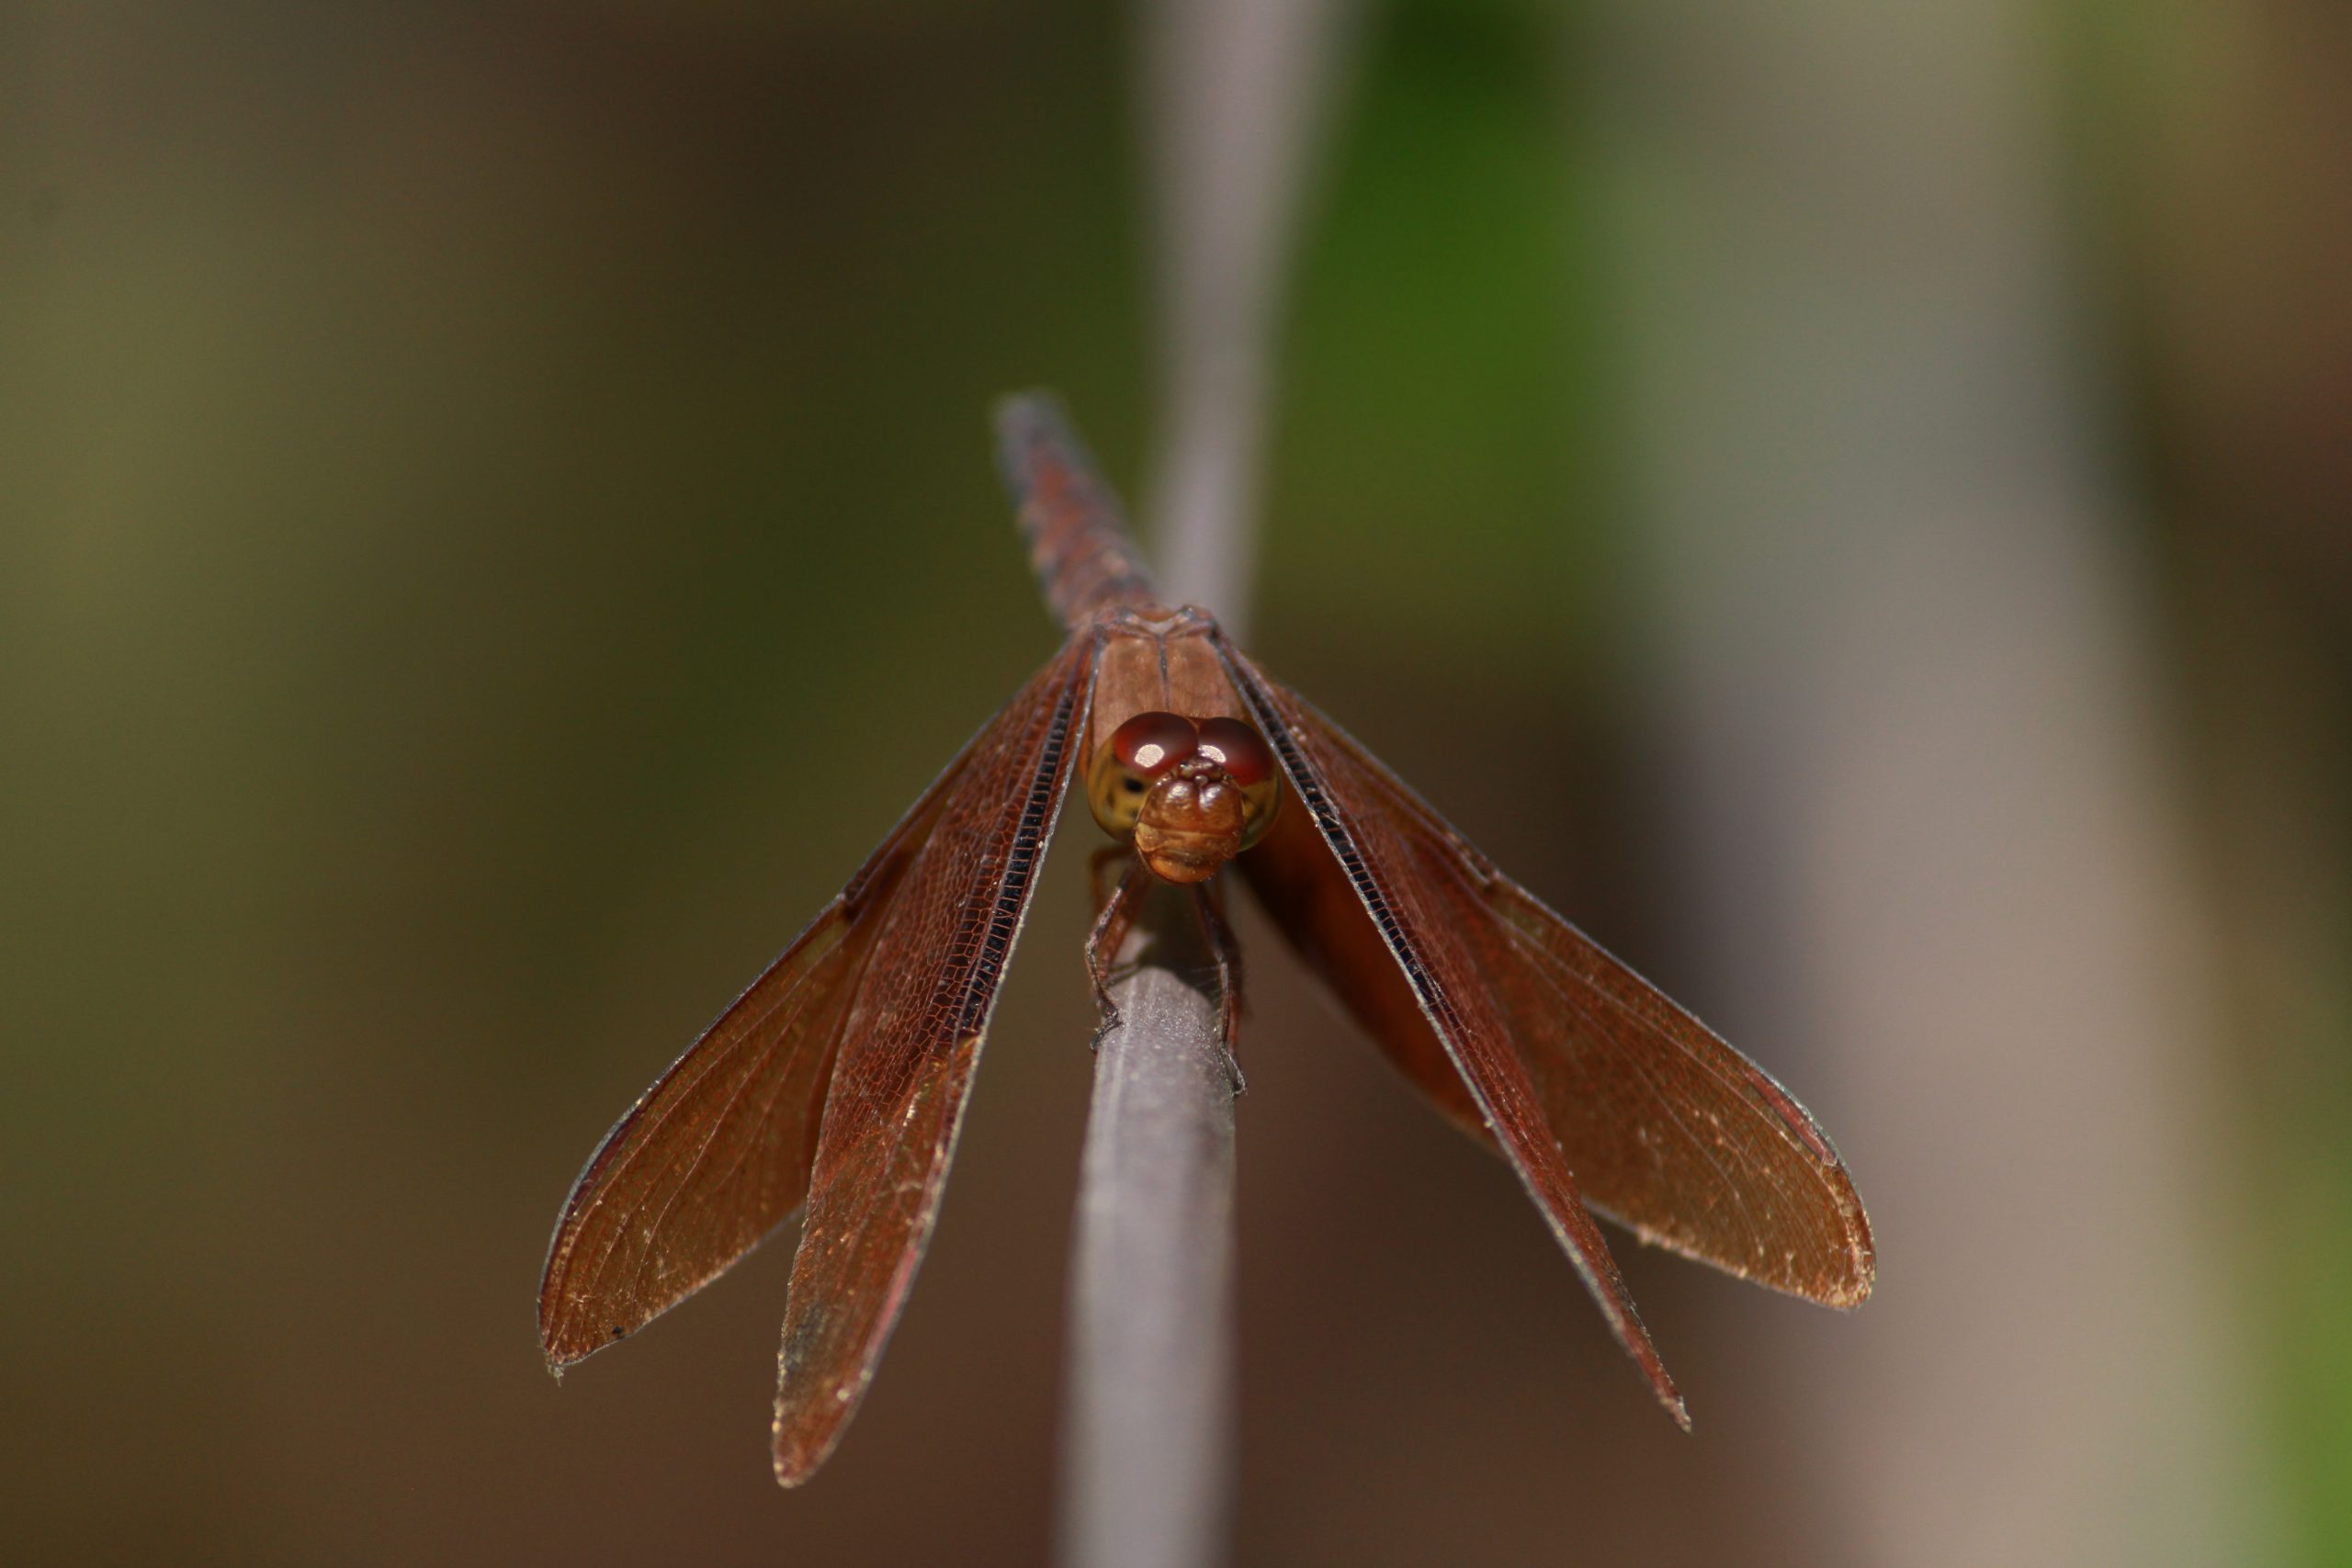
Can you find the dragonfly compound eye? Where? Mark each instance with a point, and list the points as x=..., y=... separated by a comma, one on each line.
x=1140, y=752
x=1240, y=750
x=1249, y=762
x=1152, y=743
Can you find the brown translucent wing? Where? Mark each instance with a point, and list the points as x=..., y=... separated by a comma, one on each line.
x=1672, y=1133
x=1664, y=1124
x=726, y=1144
x=1373, y=850
x=909, y=1041
x=717, y=1154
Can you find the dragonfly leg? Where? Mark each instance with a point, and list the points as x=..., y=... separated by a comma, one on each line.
x=1113, y=925
x=1208, y=902
x=1099, y=865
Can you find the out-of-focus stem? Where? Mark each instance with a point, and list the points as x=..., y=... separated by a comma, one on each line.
x=1147, y=1477
x=1234, y=89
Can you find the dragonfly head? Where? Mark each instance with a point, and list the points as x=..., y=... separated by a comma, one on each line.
x=1188, y=796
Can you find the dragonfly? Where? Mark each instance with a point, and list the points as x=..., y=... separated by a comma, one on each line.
x=837, y=1083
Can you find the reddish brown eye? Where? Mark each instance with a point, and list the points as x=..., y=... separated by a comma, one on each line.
x=1240, y=750
x=1152, y=743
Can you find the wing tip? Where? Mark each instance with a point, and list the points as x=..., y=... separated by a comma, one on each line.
x=794, y=1470
x=801, y=1445
x=1845, y=1294
x=1633, y=1339
x=1862, y=1255
x=554, y=1346
x=570, y=1338
x=1661, y=1385
x=562, y=1352
x=1653, y=1369
x=1850, y=1286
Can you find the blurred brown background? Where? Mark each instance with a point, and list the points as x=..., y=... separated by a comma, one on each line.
x=496, y=517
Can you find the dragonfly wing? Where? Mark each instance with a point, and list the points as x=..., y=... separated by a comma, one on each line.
x=1294, y=878
x=1375, y=855
x=717, y=1154
x=1667, y=1128
x=910, y=1038
x=1675, y=1134
x=838, y=1078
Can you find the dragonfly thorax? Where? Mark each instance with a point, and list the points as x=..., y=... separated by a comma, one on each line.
x=1188, y=796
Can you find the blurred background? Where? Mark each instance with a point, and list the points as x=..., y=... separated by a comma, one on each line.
x=1853, y=505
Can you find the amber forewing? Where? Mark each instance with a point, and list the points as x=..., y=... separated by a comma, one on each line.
x=1666, y=1128
x=1374, y=852
x=717, y=1154
x=839, y=1077
x=912, y=1041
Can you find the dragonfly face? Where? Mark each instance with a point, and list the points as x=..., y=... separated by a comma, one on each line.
x=1189, y=795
